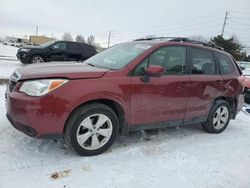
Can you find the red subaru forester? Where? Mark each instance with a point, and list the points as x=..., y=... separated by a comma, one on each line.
x=136, y=85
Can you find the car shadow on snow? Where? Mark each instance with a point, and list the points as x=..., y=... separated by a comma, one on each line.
x=56, y=147
x=158, y=135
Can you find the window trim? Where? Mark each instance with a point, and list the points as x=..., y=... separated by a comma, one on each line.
x=185, y=72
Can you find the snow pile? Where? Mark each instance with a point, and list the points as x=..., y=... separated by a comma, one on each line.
x=8, y=61
x=176, y=157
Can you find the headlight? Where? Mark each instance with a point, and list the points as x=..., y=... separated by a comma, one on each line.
x=41, y=87
x=24, y=50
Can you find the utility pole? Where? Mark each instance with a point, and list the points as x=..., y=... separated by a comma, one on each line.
x=36, y=30
x=109, y=38
x=224, y=24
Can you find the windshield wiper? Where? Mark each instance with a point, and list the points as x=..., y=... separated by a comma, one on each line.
x=90, y=64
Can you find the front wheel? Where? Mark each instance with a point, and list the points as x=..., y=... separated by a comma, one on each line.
x=218, y=117
x=37, y=59
x=91, y=129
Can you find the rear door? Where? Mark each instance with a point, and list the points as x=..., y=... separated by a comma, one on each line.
x=162, y=98
x=74, y=51
x=206, y=84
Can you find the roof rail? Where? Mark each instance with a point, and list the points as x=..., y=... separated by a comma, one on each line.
x=158, y=38
x=183, y=39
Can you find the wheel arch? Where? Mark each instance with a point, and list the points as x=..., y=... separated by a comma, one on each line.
x=232, y=101
x=115, y=106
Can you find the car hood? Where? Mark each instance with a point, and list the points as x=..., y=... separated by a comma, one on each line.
x=31, y=47
x=71, y=70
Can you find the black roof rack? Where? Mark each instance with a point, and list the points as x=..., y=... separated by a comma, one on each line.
x=183, y=39
x=158, y=38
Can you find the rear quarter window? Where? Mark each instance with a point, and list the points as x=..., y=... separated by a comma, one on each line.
x=225, y=63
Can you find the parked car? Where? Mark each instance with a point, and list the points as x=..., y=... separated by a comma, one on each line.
x=246, y=73
x=56, y=51
x=136, y=85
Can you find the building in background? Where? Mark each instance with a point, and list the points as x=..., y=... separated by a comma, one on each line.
x=38, y=40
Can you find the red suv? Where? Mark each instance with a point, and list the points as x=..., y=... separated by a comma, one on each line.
x=136, y=85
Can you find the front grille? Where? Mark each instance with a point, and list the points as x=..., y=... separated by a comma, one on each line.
x=12, y=85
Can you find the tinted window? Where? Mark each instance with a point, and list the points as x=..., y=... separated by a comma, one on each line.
x=59, y=45
x=225, y=64
x=172, y=59
x=202, y=62
x=73, y=46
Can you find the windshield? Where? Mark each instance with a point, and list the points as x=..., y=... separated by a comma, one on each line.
x=47, y=44
x=118, y=56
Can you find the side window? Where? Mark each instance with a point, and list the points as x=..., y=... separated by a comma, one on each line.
x=140, y=69
x=73, y=46
x=59, y=45
x=172, y=59
x=202, y=62
x=225, y=64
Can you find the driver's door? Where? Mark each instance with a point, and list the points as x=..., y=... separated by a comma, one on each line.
x=162, y=98
x=58, y=51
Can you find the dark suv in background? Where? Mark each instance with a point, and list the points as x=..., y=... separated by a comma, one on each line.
x=56, y=51
x=137, y=85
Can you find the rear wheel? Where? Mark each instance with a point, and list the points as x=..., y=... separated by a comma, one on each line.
x=37, y=59
x=91, y=129
x=218, y=117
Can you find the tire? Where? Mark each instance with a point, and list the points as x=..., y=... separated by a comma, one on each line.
x=37, y=59
x=85, y=135
x=218, y=118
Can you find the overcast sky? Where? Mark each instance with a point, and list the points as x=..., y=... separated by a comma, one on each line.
x=127, y=19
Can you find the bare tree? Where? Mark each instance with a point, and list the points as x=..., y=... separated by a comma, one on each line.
x=91, y=40
x=67, y=36
x=80, y=38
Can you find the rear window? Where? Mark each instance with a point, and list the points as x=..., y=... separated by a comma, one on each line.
x=225, y=64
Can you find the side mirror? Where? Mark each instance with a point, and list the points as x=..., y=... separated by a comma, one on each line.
x=154, y=70
x=51, y=48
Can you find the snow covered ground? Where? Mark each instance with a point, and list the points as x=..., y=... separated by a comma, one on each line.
x=177, y=157
x=8, y=60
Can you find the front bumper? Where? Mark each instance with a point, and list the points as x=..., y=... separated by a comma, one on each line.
x=23, y=128
x=23, y=57
x=36, y=116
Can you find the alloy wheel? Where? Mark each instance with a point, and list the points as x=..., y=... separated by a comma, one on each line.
x=220, y=117
x=94, y=131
